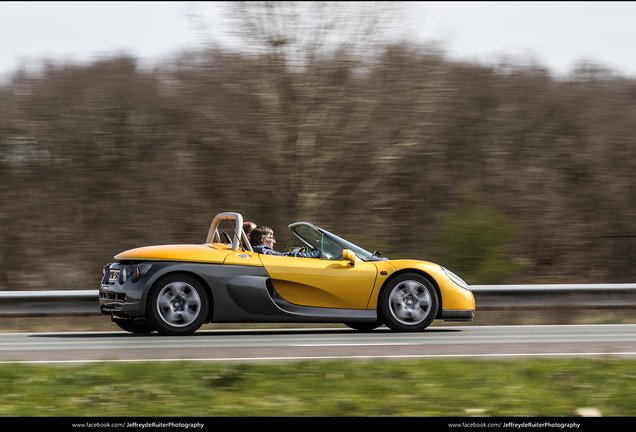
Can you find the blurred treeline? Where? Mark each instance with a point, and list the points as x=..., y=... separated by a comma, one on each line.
x=503, y=173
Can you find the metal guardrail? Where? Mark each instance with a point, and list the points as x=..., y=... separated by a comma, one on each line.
x=487, y=297
x=556, y=296
x=49, y=303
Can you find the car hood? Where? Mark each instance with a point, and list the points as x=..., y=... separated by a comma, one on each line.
x=186, y=252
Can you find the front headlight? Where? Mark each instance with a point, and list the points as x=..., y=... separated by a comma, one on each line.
x=458, y=281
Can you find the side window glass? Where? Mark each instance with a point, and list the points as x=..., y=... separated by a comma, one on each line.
x=331, y=250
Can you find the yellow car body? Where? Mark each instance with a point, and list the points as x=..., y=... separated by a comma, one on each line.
x=174, y=289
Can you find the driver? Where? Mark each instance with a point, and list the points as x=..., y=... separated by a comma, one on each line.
x=262, y=240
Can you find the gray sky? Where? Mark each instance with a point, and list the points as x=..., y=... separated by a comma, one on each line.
x=554, y=34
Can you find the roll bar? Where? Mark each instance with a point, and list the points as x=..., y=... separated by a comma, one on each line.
x=238, y=235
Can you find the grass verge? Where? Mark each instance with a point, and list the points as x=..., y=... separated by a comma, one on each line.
x=431, y=387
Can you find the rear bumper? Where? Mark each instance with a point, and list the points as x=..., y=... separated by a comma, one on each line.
x=118, y=303
x=122, y=296
x=458, y=315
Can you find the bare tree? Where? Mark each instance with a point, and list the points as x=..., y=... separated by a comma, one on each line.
x=305, y=59
x=304, y=33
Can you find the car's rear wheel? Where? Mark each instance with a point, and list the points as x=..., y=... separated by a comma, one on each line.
x=408, y=303
x=177, y=305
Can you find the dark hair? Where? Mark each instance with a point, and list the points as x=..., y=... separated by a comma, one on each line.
x=259, y=233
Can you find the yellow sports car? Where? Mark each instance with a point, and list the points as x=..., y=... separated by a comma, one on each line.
x=175, y=289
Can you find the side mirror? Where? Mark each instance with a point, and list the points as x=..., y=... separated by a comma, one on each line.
x=348, y=255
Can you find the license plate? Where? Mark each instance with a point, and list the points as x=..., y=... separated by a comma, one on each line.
x=113, y=275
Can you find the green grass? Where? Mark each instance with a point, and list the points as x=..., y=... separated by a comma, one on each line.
x=436, y=387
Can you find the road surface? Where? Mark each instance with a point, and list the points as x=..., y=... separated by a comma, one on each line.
x=329, y=343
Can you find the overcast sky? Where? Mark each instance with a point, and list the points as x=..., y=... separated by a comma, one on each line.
x=555, y=34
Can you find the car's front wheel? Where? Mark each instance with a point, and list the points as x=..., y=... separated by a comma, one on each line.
x=177, y=305
x=408, y=303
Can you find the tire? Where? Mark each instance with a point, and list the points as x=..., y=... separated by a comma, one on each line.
x=408, y=304
x=362, y=326
x=134, y=326
x=177, y=305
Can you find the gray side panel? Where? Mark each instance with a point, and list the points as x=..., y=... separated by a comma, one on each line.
x=256, y=295
x=251, y=294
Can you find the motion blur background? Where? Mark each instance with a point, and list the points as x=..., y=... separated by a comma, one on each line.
x=503, y=171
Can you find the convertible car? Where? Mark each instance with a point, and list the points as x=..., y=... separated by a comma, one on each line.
x=175, y=289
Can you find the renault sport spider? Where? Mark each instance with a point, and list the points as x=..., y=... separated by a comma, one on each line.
x=175, y=289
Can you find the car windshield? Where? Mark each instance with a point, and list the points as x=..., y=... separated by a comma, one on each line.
x=362, y=253
x=330, y=245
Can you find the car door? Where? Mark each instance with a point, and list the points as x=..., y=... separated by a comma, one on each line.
x=328, y=282
x=325, y=283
